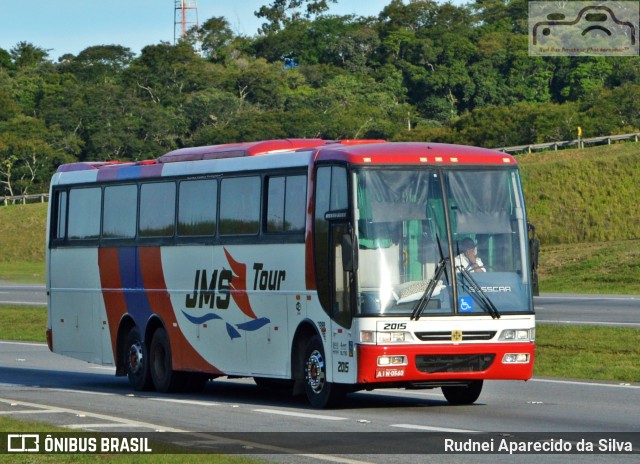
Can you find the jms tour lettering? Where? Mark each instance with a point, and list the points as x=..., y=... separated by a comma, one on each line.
x=205, y=288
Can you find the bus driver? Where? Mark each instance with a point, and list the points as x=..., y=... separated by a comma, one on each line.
x=468, y=258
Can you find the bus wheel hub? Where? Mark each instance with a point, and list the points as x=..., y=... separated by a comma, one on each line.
x=315, y=372
x=135, y=358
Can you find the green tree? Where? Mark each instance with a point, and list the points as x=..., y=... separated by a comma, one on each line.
x=98, y=63
x=29, y=152
x=5, y=59
x=165, y=73
x=615, y=111
x=586, y=78
x=280, y=13
x=25, y=55
x=216, y=39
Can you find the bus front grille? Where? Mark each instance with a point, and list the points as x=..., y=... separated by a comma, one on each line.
x=467, y=336
x=432, y=364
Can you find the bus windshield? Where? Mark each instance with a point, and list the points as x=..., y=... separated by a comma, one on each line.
x=409, y=221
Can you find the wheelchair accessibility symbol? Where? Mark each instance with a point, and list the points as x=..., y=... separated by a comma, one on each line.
x=465, y=304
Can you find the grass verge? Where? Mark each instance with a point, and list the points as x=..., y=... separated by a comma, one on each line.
x=23, y=323
x=22, y=272
x=588, y=352
x=603, y=267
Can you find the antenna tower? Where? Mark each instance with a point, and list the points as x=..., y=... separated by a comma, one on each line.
x=185, y=17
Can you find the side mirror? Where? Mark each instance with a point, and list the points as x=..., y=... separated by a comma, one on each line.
x=349, y=253
x=534, y=252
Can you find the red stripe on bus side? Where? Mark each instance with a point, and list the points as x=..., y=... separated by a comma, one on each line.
x=111, y=282
x=185, y=357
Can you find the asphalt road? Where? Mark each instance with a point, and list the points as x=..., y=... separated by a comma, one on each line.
x=604, y=310
x=23, y=294
x=39, y=385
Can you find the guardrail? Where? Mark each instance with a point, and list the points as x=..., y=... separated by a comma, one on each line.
x=24, y=199
x=579, y=143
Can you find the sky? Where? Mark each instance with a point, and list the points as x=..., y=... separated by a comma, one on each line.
x=70, y=26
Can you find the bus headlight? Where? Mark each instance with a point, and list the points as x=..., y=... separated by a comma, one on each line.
x=394, y=337
x=518, y=335
x=382, y=338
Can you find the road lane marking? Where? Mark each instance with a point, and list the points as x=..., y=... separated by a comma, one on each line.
x=71, y=390
x=590, y=384
x=106, y=368
x=23, y=287
x=190, y=402
x=104, y=417
x=432, y=428
x=613, y=324
x=2, y=342
x=300, y=414
x=97, y=426
x=23, y=303
x=30, y=411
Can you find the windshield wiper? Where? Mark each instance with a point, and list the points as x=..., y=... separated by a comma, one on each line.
x=431, y=286
x=487, y=305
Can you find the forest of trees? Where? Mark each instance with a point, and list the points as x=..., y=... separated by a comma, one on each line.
x=420, y=70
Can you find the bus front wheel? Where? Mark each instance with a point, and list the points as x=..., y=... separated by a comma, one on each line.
x=320, y=392
x=136, y=361
x=164, y=378
x=463, y=394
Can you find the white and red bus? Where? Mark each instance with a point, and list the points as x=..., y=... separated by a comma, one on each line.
x=326, y=266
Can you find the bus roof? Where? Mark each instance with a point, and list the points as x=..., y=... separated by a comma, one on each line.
x=364, y=152
x=413, y=153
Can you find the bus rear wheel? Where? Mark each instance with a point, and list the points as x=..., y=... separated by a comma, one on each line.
x=463, y=394
x=136, y=361
x=320, y=392
x=164, y=378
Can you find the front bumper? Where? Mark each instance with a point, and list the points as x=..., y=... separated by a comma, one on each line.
x=443, y=362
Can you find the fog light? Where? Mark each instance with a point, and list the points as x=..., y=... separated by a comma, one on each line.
x=515, y=358
x=395, y=360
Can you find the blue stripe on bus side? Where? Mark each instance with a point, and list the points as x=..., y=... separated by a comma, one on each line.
x=134, y=292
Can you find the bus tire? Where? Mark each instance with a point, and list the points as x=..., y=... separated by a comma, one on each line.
x=463, y=394
x=320, y=393
x=164, y=378
x=136, y=361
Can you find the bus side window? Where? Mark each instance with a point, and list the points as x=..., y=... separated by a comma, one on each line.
x=331, y=194
x=157, y=209
x=240, y=206
x=61, y=216
x=120, y=210
x=197, y=207
x=84, y=213
x=286, y=200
